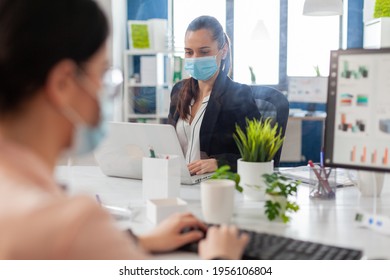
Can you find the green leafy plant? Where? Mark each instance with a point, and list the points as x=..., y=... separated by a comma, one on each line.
x=224, y=172
x=317, y=70
x=282, y=187
x=260, y=141
x=382, y=8
x=253, y=75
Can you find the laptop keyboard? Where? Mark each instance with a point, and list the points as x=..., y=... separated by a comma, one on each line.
x=263, y=246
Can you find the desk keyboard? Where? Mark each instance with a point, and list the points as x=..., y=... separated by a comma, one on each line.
x=264, y=246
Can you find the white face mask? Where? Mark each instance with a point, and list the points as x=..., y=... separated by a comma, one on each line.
x=86, y=138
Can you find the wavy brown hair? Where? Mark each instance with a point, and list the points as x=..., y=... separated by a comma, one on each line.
x=190, y=88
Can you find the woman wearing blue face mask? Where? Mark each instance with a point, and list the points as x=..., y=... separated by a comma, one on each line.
x=52, y=67
x=206, y=107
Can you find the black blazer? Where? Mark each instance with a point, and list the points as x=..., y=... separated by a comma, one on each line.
x=229, y=103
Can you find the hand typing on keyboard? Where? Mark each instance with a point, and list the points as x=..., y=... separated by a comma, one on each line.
x=224, y=242
x=264, y=246
x=169, y=235
x=184, y=229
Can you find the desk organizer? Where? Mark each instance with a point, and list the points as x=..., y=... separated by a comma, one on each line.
x=159, y=209
x=322, y=182
x=161, y=177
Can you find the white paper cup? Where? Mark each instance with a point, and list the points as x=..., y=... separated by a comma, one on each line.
x=217, y=199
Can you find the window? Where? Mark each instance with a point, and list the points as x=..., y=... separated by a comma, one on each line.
x=187, y=10
x=256, y=41
x=310, y=40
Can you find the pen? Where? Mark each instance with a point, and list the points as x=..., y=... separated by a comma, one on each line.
x=98, y=199
x=322, y=166
x=323, y=182
x=152, y=153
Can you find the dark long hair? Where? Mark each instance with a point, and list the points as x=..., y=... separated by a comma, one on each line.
x=190, y=88
x=35, y=35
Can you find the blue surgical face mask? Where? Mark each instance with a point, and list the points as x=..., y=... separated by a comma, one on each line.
x=86, y=137
x=201, y=68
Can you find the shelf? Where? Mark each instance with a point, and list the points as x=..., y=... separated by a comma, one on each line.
x=155, y=71
x=377, y=33
x=147, y=85
x=147, y=116
x=147, y=52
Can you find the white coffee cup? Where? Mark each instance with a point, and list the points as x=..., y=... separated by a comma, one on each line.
x=217, y=199
x=370, y=183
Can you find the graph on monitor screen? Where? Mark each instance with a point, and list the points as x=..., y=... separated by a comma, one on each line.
x=358, y=113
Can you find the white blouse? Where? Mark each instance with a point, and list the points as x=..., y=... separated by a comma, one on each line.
x=188, y=134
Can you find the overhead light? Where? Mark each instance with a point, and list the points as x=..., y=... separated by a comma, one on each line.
x=323, y=7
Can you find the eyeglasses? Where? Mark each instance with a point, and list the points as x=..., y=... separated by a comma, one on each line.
x=112, y=81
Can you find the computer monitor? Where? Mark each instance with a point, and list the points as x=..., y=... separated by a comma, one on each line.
x=307, y=89
x=309, y=92
x=357, y=133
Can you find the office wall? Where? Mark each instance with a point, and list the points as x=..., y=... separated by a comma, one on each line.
x=355, y=24
x=115, y=11
x=368, y=10
x=146, y=9
x=106, y=7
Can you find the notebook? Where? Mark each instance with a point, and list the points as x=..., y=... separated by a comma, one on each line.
x=121, y=153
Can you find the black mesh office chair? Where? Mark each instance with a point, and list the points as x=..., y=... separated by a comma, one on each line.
x=272, y=103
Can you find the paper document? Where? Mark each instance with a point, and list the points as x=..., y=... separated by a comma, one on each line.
x=139, y=34
x=302, y=173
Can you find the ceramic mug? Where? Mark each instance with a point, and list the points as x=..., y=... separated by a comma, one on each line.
x=217, y=200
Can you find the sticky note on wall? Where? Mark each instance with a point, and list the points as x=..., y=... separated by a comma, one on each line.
x=139, y=34
x=148, y=34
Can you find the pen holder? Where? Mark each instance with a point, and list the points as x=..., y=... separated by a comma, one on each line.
x=322, y=182
x=161, y=177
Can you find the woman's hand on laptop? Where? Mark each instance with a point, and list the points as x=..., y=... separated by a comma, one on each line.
x=202, y=166
x=223, y=242
x=171, y=233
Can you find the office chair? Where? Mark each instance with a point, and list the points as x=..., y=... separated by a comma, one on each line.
x=272, y=103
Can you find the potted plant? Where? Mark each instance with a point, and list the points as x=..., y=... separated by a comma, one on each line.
x=258, y=145
x=279, y=190
x=224, y=172
x=382, y=8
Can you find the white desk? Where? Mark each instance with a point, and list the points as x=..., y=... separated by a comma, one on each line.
x=329, y=222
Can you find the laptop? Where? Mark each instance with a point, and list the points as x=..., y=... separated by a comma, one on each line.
x=121, y=153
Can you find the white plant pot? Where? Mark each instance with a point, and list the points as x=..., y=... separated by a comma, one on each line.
x=251, y=178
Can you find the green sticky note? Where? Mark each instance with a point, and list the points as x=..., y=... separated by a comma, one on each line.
x=140, y=36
